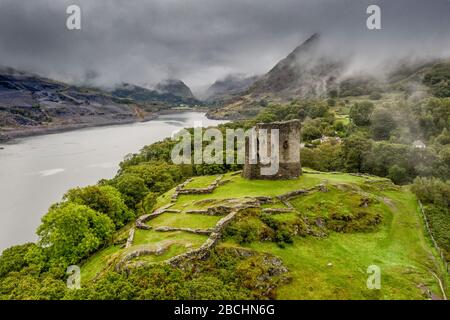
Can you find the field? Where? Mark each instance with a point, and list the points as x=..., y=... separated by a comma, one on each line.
x=329, y=267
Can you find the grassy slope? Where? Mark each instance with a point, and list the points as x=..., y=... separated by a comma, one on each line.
x=399, y=247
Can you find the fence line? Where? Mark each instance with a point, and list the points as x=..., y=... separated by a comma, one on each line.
x=439, y=250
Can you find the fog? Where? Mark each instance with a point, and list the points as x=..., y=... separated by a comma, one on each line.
x=200, y=41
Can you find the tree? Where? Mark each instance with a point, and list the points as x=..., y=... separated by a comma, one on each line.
x=360, y=113
x=310, y=132
x=398, y=174
x=13, y=259
x=354, y=150
x=444, y=137
x=70, y=232
x=132, y=188
x=325, y=157
x=382, y=124
x=103, y=199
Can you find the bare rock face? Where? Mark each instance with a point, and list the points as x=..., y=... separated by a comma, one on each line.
x=32, y=104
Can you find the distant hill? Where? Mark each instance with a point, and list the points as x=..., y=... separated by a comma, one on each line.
x=31, y=104
x=229, y=87
x=170, y=93
x=175, y=87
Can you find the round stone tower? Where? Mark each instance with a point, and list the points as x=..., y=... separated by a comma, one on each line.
x=289, y=166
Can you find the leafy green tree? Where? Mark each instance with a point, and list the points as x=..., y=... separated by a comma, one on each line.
x=432, y=190
x=324, y=157
x=385, y=155
x=310, y=132
x=103, y=199
x=360, y=113
x=382, y=124
x=444, y=137
x=354, y=150
x=398, y=174
x=132, y=187
x=13, y=258
x=70, y=232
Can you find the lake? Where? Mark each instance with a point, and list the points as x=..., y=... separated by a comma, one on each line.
x=36, y=172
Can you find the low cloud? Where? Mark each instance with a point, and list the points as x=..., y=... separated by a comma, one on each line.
x=199, y=41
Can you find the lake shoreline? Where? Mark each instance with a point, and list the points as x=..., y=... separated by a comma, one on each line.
x=36, y=172
x=9, y=137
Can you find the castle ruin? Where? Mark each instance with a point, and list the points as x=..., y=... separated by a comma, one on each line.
x=289, y=151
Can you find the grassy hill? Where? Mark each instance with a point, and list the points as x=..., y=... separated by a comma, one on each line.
x=326, y=234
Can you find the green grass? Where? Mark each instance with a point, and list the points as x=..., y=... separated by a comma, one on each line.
x=201, y=182
x=145, y=237
x=399, y=248
x=97, y=262
x=398, y=245
x=183, y=220
x=172, y=251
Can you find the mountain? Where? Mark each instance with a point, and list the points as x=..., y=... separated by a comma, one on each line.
x=175, y=87
x=308, y=72
x=229, y=87
x=167, y=94
x=304, y=73
x=31, y=104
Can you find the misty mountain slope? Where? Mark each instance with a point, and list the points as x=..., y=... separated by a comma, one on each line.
x=175, y=87
x=229, y=87
x=29, y=103
x=167, y=94
x=305, y=72
x=309, y=73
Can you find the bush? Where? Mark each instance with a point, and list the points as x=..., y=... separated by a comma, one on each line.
x=360, y=113
x=103, y=199
x=70, y=232
x=132, y=187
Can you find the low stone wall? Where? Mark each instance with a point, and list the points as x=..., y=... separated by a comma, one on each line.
x=179, y=187
x=140, y=252
x=191, y=230
x=130, y=238
x=295, y=193
x=208, y=189
x=213, y=211
x=204, y=250
x=140, y=222
x=215, y=235
x=277, y=210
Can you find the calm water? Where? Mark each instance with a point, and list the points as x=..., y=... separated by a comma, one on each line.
x=36, y=172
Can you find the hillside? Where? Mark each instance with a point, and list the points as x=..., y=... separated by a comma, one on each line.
x=166, y=95
x=317, y=235
x=228, y=88
x=32, y=104
x=309, y=73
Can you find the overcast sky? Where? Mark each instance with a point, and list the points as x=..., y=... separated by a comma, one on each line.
x=199, y=41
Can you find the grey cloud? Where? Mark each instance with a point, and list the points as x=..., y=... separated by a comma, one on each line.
x=199, y=41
